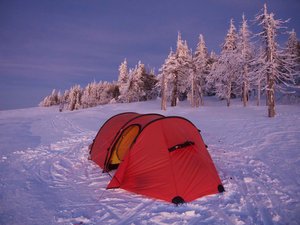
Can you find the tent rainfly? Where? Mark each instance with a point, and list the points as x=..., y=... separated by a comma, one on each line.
x=156, y=156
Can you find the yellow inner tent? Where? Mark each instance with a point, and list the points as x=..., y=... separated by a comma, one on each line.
x=124, y=143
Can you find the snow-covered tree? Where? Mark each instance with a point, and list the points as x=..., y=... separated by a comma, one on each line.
x=292, y=52
x=52, y=99
x=210, y=85
x=166, y=78
x=137, y=85
x=246, y=52
x=176, y=71
x=149, y=85
x=225, y=72
x=89, y=96
x=75, y=98
x=65, y=98
x=135, y=89
x=45, y=102
x=200, y=72
x=292, y=44
x=182, y=73
x=279, y=73
x=174, y=78
x=123, y=79
x=92, y=95
x=109, y=91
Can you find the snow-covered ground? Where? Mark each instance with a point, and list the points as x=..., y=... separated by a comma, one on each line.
x=46, y=177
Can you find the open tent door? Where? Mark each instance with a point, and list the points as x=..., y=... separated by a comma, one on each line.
x=122, y=145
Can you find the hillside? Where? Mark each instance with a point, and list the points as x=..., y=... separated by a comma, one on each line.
x=46, y=177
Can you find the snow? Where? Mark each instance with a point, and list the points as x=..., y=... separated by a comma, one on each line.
x=46, y=177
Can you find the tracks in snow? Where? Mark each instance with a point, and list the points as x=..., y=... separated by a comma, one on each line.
x=62, y=172
x=61, y=123
x=75, y=186
x=253, y=194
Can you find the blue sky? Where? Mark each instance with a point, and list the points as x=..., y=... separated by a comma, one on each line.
x=47, y=44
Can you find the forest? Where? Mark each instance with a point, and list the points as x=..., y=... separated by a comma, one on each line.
x=248, y=65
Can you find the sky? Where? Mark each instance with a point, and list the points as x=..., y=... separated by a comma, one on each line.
x=55, y=44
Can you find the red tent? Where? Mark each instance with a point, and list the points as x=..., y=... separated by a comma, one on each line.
x=157, y=156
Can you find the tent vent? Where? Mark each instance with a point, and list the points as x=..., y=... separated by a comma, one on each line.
x=183, y=145
x=221, y=188
x=178, y=200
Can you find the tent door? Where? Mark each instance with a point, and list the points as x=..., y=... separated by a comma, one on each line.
x=122, y=145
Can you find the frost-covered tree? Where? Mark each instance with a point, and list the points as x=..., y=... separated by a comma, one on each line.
x=149, y=85
x=292, y=45
x=166, y=78
x=137, y=84
x=92, y=95
x=178, y=78
x=65, y=98
x=174, y=78
x=225, y=72
x=89, y=96
x=246, y=54
x=279, y=73
x=200, y=72
x=210, y=85
x=52, y=99
x=45, y=102
x=75, y=98
x=123, y=79
x=109, y=92
x=135, y=89
x=99, y=93
x=292, y=52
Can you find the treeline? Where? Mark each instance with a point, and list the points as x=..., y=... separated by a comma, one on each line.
x=135, y=84
x=244, y=66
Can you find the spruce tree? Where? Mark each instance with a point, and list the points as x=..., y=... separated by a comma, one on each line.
x=292, y=52
x=225, y=72
x=135, y=89
x=181, y=73
x=167, y=77
x=123, y=78
x=75, y=98
x=201, y=70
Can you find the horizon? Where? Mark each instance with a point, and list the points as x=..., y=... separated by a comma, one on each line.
x=57, y=44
